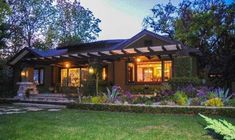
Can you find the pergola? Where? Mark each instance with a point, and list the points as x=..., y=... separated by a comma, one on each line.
x=108, y=55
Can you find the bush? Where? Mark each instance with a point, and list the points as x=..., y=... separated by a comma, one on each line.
x=180, y=98
x=145, y=89
x=195, y=102
x=98, y=99
x=86, y=99
x=231, y=102
x=229, y=112
x=178, y=82
x=214, y=102
x=190, y=90
x=184, y=66
x=221, y=127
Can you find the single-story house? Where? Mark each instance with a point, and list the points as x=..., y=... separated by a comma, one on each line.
x=144, y=59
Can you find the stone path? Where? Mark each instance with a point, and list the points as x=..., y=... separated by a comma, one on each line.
x=15, y=109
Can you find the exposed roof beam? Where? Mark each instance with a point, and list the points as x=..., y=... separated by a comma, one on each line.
x=156, y=48
x=94, y=53
x=163, y=48
x=142, y=50
x=74, y=56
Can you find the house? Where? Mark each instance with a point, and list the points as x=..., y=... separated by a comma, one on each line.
x=144, y=59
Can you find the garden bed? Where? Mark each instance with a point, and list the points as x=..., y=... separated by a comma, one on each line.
x=193, y=110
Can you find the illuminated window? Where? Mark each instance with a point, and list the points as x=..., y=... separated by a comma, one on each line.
x=24, y=74
x=84, y=74
x=131, y=72
x=167, y=70
x=70, y=77
x=74, y=77
x=38, y=76
x=149, y=72
x=104, y=73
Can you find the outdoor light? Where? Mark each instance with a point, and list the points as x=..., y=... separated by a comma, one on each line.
x=67, y=65
x=23, y=73
x=138, y=60
x=91, y=70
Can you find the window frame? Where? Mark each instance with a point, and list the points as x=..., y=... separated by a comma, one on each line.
x=135, y=82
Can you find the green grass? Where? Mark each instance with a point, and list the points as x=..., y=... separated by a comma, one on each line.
x=72, y=124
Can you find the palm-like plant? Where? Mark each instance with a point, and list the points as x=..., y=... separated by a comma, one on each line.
x=223, y=94
x=112, y=94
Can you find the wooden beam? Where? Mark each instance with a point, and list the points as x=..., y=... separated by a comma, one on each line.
x=150, y=50
x=163, y=48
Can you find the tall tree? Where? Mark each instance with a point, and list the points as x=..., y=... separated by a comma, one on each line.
x=75, y=23
x=30, y=19
x=207, y=25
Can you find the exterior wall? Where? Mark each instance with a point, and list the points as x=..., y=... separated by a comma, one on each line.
x=120, y=73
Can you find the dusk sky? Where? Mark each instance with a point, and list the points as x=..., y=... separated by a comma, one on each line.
x=122, y=18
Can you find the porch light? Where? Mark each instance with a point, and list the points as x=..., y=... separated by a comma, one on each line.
x=67, y=65
x=23, y=73
x=138, y=59
x=91, y=70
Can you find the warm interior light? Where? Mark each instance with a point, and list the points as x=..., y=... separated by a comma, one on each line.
x=138, y=59
x=67, y=65
x=104, y=75
x=91, y=70
x=23, y=73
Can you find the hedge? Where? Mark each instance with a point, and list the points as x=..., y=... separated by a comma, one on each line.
x=193, y=110
x=185, y=66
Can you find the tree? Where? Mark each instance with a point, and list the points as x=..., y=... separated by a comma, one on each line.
x=32, y=17
x=162, y=19
x=75, y=23
x=207, y=25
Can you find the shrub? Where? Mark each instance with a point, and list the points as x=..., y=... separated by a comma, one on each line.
x=214, y=102
x=195, y=101
x=190, y=90
x=180, y=98
x=98, y=99
x=231, y=102
x=202, y=92
x=211, y=95
x=229, y=112
x=148, y=102
x=86, y=99
x=140, y=100
x=177, y=82
x=221, y=127
x=145, y=89
x=184, y=66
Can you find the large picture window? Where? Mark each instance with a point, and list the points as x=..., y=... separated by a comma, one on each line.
x=149, y=71
x=73, y=76
x=38, y=76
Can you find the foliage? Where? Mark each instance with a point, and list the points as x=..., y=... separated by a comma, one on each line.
x=180, y=98
x=75, y=23
x=211, y=95
x=147, y=89
x=127, y=97
x=190, y=90
x=112, y=94
x=206, y=25
x=221, y=127
x=203, y=91
x=231, y=102
x=162, y=19
x=167, y=102
x=86, y=99
x=177, y=82
x=141, y=100
x=98, y=99
x=148, y=102
x=214, y=102
x=229, y=112
x=195, y=102
x=223, y=94
x=184, y=66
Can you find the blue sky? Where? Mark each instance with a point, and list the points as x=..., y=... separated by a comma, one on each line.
x=122, y=18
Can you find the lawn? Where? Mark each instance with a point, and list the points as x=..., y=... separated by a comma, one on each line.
x=72, y=124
